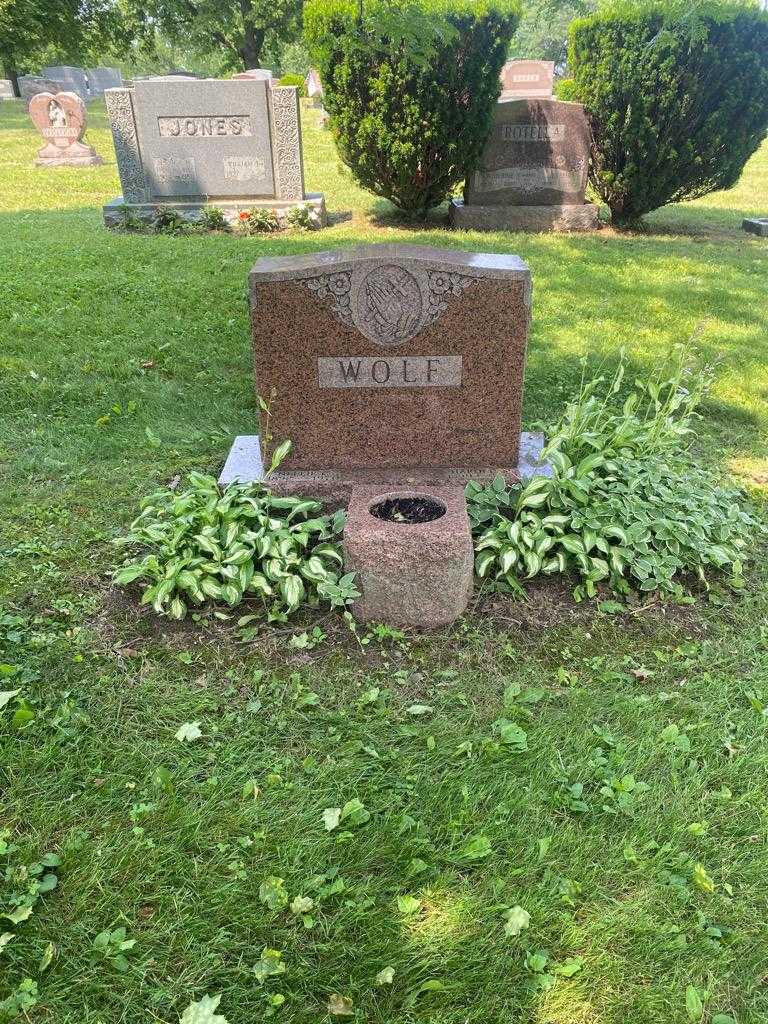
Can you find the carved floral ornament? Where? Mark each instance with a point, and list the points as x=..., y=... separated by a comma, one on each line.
x=388, y=303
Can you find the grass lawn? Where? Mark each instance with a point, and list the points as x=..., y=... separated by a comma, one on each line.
x=648, y=905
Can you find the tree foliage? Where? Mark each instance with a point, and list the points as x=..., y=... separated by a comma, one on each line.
x=410, y=88
x=543, y=31
x=74, y=29
x=677, y=96
x=239, y=30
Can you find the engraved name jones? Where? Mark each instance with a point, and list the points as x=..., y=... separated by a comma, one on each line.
x=208, y=127
x=389, y=371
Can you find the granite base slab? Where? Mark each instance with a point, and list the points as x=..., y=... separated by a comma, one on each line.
x=91, y=160
x=334, y=487
x=756, y=226
x=578, y=217
x=116, y=211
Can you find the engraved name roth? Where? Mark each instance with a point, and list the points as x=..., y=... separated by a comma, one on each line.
x=389, y=371
x=207, y=127
x=532, y=132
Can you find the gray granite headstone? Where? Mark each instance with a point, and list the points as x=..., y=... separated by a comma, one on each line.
x=72, y=79
x=204, y=138
x=100, y=79
x=756, y=226
x=233, y=144
x=31, y=85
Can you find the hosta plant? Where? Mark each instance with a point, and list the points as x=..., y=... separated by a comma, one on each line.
x=204, y=544
x=626, y=504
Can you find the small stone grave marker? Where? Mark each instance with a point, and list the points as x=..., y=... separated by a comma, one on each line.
x=530, y=79
x=72, y=79
x=61, y=120
x=233, y=144
x=6, y=89
x=756, y=226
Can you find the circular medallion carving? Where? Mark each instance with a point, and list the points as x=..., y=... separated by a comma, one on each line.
x=389, y=306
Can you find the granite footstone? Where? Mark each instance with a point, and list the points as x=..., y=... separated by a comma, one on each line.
x=756, y=226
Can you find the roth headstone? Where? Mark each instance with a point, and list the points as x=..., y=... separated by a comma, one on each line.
x=389, y=365
x=100, y=79
x=72, y=79
x=533, y=171
x=233, y=145
x=61, y=120
x=6, y=89
x=531, y=79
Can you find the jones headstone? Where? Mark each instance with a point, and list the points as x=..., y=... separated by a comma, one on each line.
x=527, y=78
x=387, y=364
x=61, y=120
x=533, y=172
x=234, y=145
x=73, y=79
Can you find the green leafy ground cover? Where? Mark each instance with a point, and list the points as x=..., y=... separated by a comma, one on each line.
x=548, y=814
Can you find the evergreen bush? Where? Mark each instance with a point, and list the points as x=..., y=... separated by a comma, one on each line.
x=410, y=88
x=677, y=96
x=296, y=80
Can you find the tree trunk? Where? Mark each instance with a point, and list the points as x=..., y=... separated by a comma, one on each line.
x=13, y=75
x=253, y=38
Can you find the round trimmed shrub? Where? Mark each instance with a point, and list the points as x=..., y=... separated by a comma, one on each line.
x=678, y=100
x=410, y=88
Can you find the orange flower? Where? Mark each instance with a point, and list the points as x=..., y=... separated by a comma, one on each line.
x=244, y=215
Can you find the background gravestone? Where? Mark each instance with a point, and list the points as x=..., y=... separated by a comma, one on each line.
x=533, y=171
x=234, y=145
x=6, y=89
x=31, y=85
x=530, y=79
x=255, y=74
x=61, y=120
x=100, y=79
x=314, y=87
x=388, y=364
x=72, y=79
